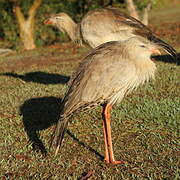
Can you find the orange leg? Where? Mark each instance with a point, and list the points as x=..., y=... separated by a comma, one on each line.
x=109, y=155
x=106, y=158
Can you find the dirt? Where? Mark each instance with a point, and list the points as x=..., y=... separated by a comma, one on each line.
x=168, y=31
x=47, y=56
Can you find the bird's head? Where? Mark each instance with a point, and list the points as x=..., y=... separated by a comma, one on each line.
x=141, y=48
x=60, y=17
x=61, y=20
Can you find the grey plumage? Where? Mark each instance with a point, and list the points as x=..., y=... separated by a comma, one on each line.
x=105, y=76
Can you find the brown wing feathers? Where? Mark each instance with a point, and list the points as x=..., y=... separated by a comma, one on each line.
x=142, y=30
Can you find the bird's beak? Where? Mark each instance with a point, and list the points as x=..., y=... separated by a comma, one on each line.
x=47, y=21
x=155, y=51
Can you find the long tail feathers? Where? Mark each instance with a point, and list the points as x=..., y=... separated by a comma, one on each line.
x=59, y=133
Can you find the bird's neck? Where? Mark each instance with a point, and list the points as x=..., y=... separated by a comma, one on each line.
x=145, y=70
x=71, y=28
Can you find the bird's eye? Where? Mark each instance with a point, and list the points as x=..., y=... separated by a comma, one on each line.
x=142, y=46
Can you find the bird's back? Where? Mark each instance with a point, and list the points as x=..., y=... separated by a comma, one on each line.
x=109, y=24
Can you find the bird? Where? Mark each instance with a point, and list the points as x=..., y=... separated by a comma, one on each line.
x=104, y=77
x=103, y=25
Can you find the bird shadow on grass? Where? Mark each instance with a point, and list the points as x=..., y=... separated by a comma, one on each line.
x=168, y=59
x=41, y=113
x=40, y=77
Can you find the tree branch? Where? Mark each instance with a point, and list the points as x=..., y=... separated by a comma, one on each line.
x=33, y=9
x=132, y=9
x=145, y=13
x=19, y=14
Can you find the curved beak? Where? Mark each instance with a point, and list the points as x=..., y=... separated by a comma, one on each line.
x=155, y=51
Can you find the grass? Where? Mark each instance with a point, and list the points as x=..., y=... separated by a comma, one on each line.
x=145, y=125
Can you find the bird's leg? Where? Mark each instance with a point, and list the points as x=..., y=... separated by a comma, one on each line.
x=106, y=158
x=109, y=155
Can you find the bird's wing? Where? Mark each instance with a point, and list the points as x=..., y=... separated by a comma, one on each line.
x=109, y=24
x=100, y=75
x=134, y=26
x=123, y=20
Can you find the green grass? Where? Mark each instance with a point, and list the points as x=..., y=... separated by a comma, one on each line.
x=145, y=126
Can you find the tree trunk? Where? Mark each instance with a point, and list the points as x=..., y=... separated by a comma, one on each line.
x=132, y=9
x=145, y=13
x=26, y=25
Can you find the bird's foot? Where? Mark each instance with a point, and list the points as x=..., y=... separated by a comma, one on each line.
x=117, y=162
x=106, y=160
x=114, y=162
